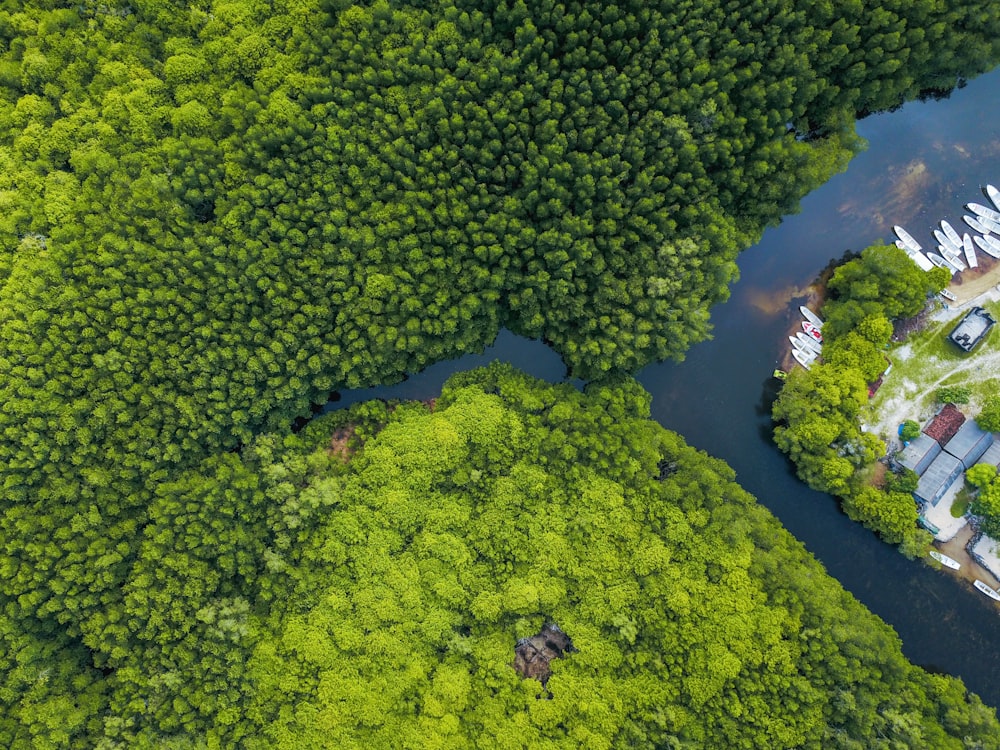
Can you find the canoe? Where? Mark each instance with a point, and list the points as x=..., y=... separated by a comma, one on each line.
x=803, y=359
x=921, y=260
x=812, y=330
x=944, y=240
x=940, y=262
x=945, y=560
x=988, y=245
x=994, y=195
x=952, y=256
x=970, y=251
x=980, y=210
x=812, y=317
x=948, y=295
x=951, y=234
x=976, y=224
x=808, y=342
x=990, y=225
x=987, y=590
x=907, y=239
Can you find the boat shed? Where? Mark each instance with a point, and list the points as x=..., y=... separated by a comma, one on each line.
x=972, y=328
x=969, y=443
x=919, y=454
x=992, y=454
x=934, y=483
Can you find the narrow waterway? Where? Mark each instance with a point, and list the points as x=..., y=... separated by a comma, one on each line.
x=923, y=163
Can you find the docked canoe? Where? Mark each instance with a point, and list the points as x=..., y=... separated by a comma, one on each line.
x=948, y=295
x=976, y=224
x=812, y=330
x=945, y=560
x=980, y=210
x=907, y=239
x=952, y=256
x=951, y=234
x=921, y=260
x=987, y=590
x=811, y=316
x=970, y=251
x=994, y=195
x=945, y=241
x=989, y=245
x=940, y=262
x=808, y=342
x=802, y=358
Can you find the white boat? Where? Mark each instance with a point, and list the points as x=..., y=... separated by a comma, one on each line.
x=945, y=560
x=994, y=195
x=952, y=256
x=940, y=262
x=970, y=251
x=808, y=343
x=945, y=241
x=989, y=245
x=921, y=260
x=976, y=224
x=907, y=239
x=803, y=359
x=950, y=232
x=986, y=590
x=812, y=317
x=980, y=210
x=989, y=225
x=812, y=330
x=948, y=295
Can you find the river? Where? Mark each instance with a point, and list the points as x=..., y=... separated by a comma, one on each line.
x=924, y=161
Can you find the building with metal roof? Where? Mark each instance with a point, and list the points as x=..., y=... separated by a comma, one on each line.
x=972, y=328
x=992, y=454
x=969, y=443
x=919, y=453
x=939, y=476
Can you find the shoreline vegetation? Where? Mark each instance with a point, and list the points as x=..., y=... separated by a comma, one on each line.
x=217, y=213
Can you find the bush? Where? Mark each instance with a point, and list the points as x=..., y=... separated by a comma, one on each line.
x=910, y=430
x=953, y=394
x=905, y=480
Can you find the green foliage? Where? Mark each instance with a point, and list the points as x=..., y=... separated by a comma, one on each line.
x=987, y=505
x=892, y=514
x=981, y=475
x=953, y=394
x=905, y=480
x=989, y=416
x=910, y=430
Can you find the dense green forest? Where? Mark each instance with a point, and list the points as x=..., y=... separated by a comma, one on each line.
x=290, y=599
x=215, y=213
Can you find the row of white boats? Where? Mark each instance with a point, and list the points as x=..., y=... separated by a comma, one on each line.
x=949, y=562
x=807, y=344
x=958, y=253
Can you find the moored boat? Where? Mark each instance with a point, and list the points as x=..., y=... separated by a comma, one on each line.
x=952, y=256
x=989, y=245
x=812, y=317
x=948, y=562
x=951, y=234
x=808, y=343
x=976, y=224
x=970, y=251
x=940, y=262
x=994, y=195
x=921, y=260
x=907, y=239
x=980, y=210
x=992, y=594
x=945, y=241
x=802, y=358
x=992, y=227
x=812, y=330
x=948, y=295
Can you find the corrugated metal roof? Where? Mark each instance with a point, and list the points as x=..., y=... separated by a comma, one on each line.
x=992, y=454
x=969, y=443
x=919, y=453
x=938, y=478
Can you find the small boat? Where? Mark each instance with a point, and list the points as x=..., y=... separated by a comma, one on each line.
x=989, y=225
x=907, y=239
x=952, y=256
x=945, y=560
x=948, y=295
x=994, y=195
x=921, y=260
x=808, y=342
x=980, y=210
x=812, y=317
x=986, y=590
x=970, y=251
x=989, y=245
x=945, y=241
x=951, y=234
x=803, y=359
x=812, y=330
x=940, y=262
x=976, y=224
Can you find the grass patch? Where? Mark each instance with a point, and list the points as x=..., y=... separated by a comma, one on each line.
x=961, y=502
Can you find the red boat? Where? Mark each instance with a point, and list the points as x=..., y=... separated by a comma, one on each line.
x=812, y=331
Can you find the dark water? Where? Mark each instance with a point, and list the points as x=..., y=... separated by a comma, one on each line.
x=923, y=162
